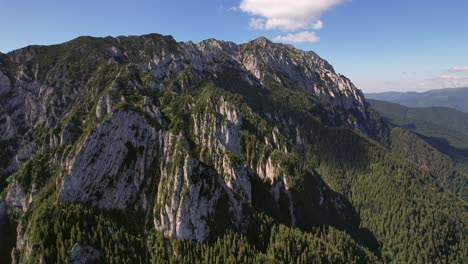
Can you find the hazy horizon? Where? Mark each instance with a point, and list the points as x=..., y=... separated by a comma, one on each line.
x=413, y=91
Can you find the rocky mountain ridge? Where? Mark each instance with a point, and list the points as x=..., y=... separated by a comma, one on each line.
x=256, y=60
x=110, y=169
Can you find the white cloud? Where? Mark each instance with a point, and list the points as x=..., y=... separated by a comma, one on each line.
x=257, y=23
x=317, y=25
x=289, y=15
x=300, y=37
x=458, y=69
x=411, y=82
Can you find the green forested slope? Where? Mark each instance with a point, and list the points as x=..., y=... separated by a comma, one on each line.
x=445, y=129
x=442, y=170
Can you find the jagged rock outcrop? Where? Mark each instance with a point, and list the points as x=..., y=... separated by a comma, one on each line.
x=5, y=83
x=8, y=125
x=265, y=59
x=186, y=197
x=3, y=211
x=217, y=131
x=26, y=106
x=17, y=197
x=82, y=254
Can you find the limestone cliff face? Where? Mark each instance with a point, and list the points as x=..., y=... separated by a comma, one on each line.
x=265, y=59
x=113, y=162
x=27, y=106
x=127, y=163
x=217, y=132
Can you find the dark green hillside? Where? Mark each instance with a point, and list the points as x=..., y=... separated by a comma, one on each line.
x=445, y=129
x=456, y=98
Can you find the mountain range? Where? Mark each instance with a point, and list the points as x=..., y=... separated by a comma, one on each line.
x=456, y=98
x=143, y=149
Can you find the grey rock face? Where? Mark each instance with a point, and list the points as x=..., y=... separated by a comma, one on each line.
x=5, y=84
x=219, y=135
x=8, y=125
x=103, y=107
x=307, y=69
x=185, y=199
x=3, y=211
x=82, y=254
x=24, y=106
x=110, y=168
x=17, y=197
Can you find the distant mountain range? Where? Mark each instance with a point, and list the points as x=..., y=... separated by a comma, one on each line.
x=450, y=97
x=444, y=128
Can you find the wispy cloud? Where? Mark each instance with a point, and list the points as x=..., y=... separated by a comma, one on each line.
x=288, y=16
x=413, y=81
x=257, y=23
x=458, y=69
x=301, y=37
x=446, y=81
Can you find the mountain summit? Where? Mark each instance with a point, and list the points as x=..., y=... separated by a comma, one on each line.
x=258, y=152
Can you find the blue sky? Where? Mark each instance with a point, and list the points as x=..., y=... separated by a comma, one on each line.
x=380, y=45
